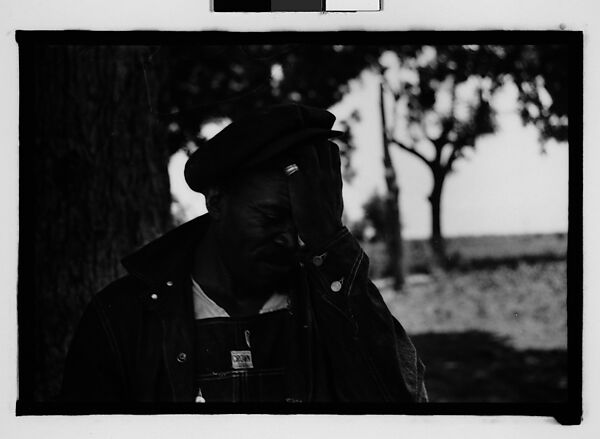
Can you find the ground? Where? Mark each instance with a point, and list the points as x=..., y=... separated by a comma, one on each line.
x=494, y=328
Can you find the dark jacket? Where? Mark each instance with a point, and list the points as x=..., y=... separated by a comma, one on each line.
x=135, y=341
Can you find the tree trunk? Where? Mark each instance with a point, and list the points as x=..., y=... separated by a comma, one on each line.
x=94, y=186
x=392, y=209
x=394, y=244
x=437, y=241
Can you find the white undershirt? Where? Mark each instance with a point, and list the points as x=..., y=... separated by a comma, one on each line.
x=206, y=308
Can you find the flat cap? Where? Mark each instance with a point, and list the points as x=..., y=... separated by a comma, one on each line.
x=255, y=139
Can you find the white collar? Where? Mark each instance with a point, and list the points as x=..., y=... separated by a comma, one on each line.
x=206, y=308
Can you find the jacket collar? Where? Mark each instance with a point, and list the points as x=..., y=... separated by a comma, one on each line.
x=169, y=257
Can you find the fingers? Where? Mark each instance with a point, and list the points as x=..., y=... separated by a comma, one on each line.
x=306, y=158
x=336, y=165
x=336, y=162
x=319, y=155
x=315, y=191
x=321, y=147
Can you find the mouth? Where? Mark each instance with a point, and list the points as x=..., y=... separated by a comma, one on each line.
x=279, y=262
x=270, y=271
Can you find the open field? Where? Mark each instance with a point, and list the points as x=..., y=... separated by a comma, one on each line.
x=525, y=305
x=469, y=252
x=497, y=333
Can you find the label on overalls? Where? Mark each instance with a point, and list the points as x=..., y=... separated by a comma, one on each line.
x=241, y=360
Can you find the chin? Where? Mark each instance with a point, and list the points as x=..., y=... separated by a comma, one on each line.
x=269, y=275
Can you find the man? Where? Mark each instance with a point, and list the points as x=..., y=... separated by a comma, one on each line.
x=264, y=299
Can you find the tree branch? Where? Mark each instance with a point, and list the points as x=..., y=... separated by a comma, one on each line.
x=413, y=151
x=453, y=156
x=448, y=126
x=448, y=123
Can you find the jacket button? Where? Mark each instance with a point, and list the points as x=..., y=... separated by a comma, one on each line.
x=317, y=260
x=336, y=286
x=181, y=357
x=154, y=296
x=169, y=283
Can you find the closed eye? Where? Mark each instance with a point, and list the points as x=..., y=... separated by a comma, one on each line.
x=273, y=212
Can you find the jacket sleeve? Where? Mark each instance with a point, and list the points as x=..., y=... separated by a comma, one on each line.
x=358, y=328
x=91, y=371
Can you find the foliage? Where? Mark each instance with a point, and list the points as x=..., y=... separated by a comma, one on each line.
x=542, y=75
x=208, y=82
x=212, y=81
x=540, y=72
x=436, y=101
x=374, y=210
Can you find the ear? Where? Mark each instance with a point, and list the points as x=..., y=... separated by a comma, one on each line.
x=214, y=202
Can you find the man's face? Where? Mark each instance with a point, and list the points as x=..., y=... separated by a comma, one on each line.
x=256, y=229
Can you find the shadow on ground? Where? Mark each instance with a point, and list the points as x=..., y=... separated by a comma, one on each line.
x=477, y=366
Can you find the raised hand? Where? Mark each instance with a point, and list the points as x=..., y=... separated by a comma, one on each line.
x=315, y=188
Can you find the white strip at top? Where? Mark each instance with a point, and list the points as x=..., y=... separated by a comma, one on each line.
x=352, y=5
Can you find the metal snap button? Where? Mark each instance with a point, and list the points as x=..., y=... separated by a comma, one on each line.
x=169, y=283
x=154, y=296
x=317, y=261
x=336, y=286
x=181, y=357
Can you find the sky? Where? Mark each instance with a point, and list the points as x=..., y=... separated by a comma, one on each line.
x=504, y=186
